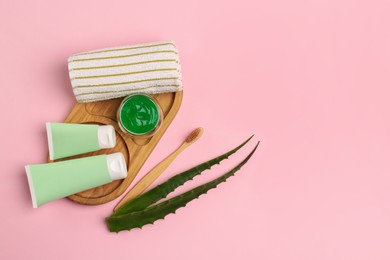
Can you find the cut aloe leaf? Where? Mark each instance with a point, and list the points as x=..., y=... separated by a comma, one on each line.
x=161, y=191
x=137, y=219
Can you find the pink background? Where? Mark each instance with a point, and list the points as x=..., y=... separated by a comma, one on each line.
x=309, y=78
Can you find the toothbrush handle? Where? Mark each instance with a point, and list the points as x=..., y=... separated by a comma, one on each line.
x=150, y=177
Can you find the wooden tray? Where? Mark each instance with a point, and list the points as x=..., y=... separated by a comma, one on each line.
x=135, y=150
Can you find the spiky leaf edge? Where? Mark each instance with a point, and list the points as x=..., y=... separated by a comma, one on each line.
x=161, y=191
x=138, y=219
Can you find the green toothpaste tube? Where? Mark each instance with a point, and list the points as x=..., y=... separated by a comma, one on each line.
x=72, y=139
x=56, y=180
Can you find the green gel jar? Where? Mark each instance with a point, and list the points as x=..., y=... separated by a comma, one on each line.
x=139, y=115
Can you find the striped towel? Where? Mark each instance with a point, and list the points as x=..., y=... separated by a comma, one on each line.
x=117, y=72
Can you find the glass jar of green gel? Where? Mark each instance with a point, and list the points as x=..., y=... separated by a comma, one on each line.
x=139, y=115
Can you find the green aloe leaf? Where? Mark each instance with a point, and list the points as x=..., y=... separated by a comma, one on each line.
x=162, y=190
x=138, y=219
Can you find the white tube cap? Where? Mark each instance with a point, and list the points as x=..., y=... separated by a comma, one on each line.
x=31, y=186
x=106, y=136
x=116, y=164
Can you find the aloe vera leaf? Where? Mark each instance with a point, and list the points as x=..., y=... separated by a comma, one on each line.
x=162, y=190
x=138, y=219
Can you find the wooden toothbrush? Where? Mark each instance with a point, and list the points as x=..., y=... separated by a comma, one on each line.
x=151, y=176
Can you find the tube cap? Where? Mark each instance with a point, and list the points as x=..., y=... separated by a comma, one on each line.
x=106, y=136
x=116, y=164
x=31, y=186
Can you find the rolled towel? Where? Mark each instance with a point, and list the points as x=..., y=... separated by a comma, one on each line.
x=116, y=72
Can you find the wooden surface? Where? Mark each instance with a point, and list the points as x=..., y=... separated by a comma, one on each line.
x=135, y=149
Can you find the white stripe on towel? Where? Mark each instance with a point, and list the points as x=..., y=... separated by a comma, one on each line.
x=124, y=69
